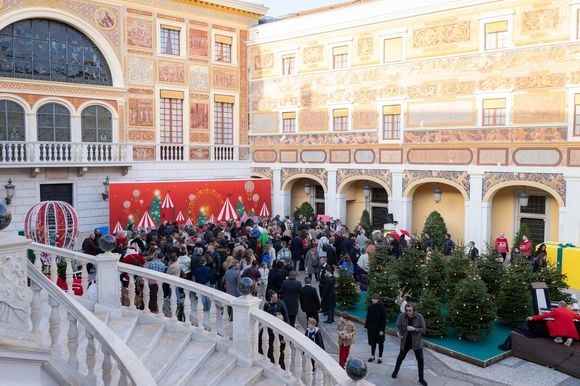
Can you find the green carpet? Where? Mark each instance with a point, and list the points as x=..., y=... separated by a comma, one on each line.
x=483, y=350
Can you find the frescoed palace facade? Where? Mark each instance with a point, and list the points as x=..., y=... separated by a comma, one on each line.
x=372, y=104
x=388, y=107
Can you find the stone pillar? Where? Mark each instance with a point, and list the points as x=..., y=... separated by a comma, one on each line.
x=486, y=236
x=108, y=293
x=277, y=199
x=341, y=208
x=474, y=212
x=406, y=219
x=330, y=201
x=396, y=199
x=243, y=328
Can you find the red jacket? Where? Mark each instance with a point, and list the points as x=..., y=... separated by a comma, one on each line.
x=501, y=245
x=563, y=323
x=526, y=248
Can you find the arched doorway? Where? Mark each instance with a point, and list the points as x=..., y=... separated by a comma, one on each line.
x=451, y=207
x=360, y=194
x=514, y=205
x=307, y=190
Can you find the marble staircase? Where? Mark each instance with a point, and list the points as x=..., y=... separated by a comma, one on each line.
x=176, y=354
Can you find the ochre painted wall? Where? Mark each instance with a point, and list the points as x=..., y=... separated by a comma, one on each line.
x=355, y=203
x=502, y=215
x=297, y=194
x=451, y=208
x=554, y=211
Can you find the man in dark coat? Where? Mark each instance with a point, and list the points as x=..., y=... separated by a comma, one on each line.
x=275, y=278
x=275, y=307
x=375, y=324
x=297, y=251
x=329, y=296
x=309, y=300
x=290, y=293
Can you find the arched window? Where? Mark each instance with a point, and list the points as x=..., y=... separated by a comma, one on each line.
x=97, y=124
x=12, y=127
x=50, y=50
x=53, y=123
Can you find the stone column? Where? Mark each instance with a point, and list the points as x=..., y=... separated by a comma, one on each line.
x=330, y=201
x=474, y=212
x=277, y=199
x=108, y=293
x=485, y=226
x=406, y=219
x=341, y=208
x=396, y=199
x=243, y=328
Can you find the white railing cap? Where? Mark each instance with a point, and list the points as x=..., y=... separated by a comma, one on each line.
x=189, y=285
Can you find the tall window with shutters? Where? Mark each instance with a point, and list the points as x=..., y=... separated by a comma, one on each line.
x=340, y=120
x=393, y=50
x=494, y=112
x=169, y=40
x=223, y=116
x=223, y=48
x=392, y=122
x=576, y=114
x=289, y=122
x=288, y=64
x=171, y=116
x=496, y=35
x=340, y=57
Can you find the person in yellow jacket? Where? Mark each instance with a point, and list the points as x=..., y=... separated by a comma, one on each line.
x=346, y=332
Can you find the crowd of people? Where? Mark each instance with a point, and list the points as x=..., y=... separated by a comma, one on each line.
x=272, y=253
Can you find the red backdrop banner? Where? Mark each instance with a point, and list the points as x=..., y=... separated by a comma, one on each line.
x=187, y=202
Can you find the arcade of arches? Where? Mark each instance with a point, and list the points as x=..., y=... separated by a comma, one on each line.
x=475, y=207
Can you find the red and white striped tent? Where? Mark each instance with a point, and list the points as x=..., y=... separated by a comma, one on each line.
x=397, y=233
x=264, y=212
x=146, y=222
x=118, y=228
x=167, y=202
x=189, y=223
x=212, y=219
x=180, y=217
x=228, y=212
x=245, y=217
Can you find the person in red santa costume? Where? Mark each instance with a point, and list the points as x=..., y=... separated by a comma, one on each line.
x=501, y=246
x=563, y=324
x=526, y=247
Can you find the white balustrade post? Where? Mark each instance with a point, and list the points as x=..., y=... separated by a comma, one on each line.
x=17, y=296
x=242, y=323
x=108, y=283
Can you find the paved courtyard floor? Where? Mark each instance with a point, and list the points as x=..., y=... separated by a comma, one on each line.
x=440, y=369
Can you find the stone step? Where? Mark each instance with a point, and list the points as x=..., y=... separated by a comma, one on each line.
x=102, y=316
x=168, y=349
x=212, y=370
x=123, y=326
x=189, y=361
x=267, y=382
x=242, y=376
x=144, y=338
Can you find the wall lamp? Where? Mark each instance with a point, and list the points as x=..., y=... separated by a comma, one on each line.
x=105, y=193
x=9, y=191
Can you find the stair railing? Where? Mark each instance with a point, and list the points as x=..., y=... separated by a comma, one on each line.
x=210, y=314
x=120, y=366
x=307, y=364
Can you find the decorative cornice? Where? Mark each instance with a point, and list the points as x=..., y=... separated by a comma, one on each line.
x=381, y=174
x=555, y=181
x=459, y=177
x=320, y=174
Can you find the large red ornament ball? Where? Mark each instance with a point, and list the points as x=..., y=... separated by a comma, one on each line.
x=52, y=223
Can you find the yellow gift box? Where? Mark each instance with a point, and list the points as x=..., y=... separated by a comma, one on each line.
x=566, y=257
